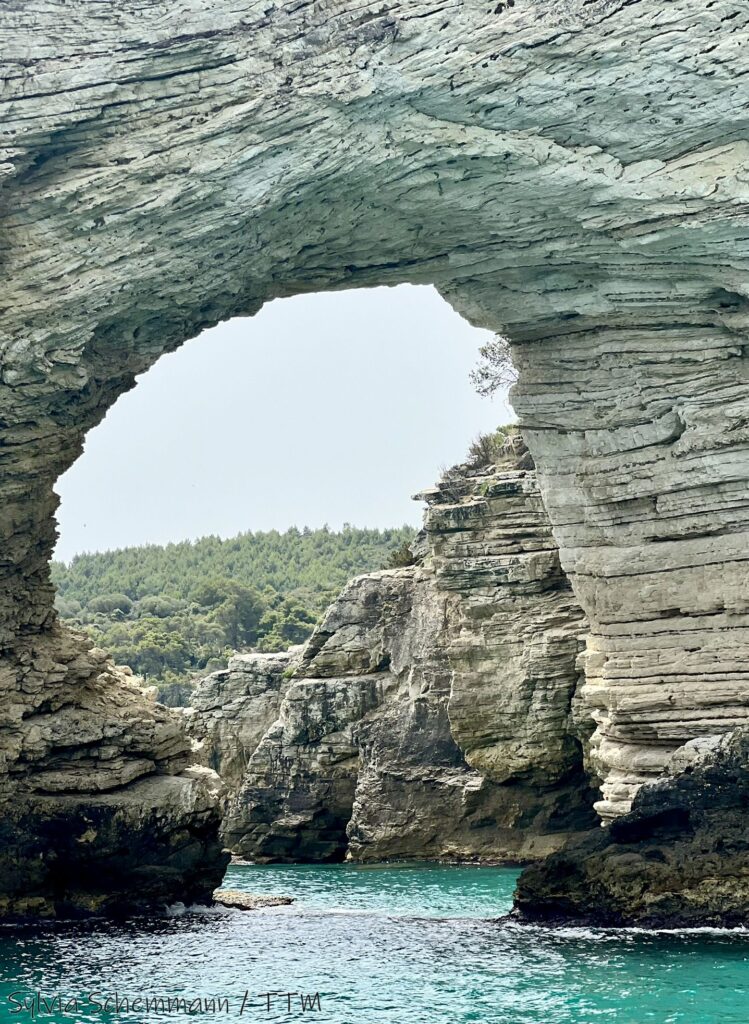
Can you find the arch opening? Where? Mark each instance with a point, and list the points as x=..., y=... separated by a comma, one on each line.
x=383, y=679
x=322, y=412
x=309, y=149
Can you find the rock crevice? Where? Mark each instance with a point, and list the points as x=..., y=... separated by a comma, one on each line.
x=676, y=860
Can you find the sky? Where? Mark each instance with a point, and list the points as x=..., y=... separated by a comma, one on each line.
x=329, y=408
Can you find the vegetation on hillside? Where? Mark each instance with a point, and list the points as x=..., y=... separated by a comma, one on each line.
x=484, y=451
x=175, y=612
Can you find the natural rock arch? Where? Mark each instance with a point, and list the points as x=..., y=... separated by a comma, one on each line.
x=571, y=172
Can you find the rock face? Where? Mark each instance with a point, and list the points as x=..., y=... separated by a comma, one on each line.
x=430, y=713
x=103, y=812
x=231, y=710
x=678, y=859
x=572, y=174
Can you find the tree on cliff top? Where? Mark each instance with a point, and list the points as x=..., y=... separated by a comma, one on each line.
x=495, y=369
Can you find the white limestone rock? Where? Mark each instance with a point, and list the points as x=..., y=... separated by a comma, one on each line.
x=231, y=709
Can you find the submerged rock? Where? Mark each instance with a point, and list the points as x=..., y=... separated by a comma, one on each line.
x=679, y=858
x=248, y=901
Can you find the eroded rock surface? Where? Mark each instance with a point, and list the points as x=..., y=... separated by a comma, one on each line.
x=103, y=810
x=231, y=710
x=239, y=900
x=678, y=859
x=570, y=173
x=430, y=715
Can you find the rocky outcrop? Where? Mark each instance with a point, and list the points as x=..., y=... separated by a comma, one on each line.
x=571, y=174
x=296, y=797
x=102, y=810
x=516, y=630
x=231, y=709
x=430, y=715
x=677, y=859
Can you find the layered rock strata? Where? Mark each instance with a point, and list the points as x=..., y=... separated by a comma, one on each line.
x=649, y=500
x=231, y=710
x=430, y=715
x=570, y=173
x=677, y=859
x=103, y=808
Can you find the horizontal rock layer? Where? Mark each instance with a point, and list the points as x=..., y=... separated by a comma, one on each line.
x=101, y=807
x=239, y=900
x=649, y=500
x=430, y=713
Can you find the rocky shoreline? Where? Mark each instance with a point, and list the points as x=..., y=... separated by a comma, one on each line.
x=571, y=175
x=438, y=714
x=678, y=859
x=103, y=807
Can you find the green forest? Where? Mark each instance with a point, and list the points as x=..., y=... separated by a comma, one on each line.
x=175, y=612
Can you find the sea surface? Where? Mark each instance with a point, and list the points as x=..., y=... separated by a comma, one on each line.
x=370, y=945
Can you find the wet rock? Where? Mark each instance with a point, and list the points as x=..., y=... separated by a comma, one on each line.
x=239, y=900
x=102, y=809
x=679, y=858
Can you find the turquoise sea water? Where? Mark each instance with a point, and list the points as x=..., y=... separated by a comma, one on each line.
x=378, y=945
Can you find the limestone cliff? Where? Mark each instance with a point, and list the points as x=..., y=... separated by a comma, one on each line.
x=232, y=709
x=430, y=714
x=571, y=173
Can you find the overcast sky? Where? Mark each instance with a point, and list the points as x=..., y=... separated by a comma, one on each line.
x=326, y=408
